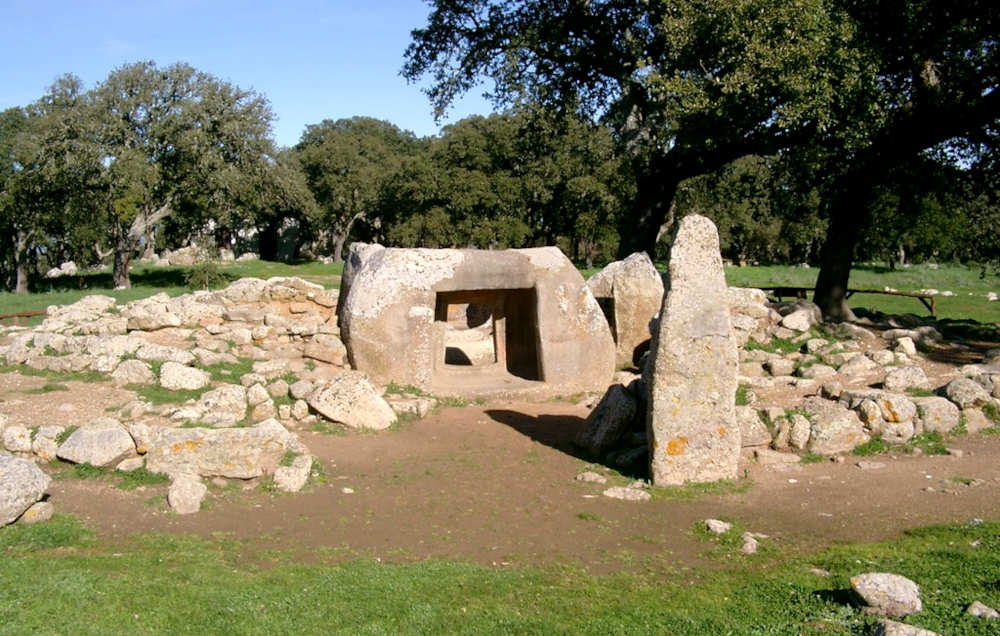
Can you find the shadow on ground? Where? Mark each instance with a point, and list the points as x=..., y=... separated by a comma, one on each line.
x=560, y=432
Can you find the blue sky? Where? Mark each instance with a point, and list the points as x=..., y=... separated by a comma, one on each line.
x=312, y=60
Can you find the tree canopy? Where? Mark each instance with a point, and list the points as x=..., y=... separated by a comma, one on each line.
x=854, y=88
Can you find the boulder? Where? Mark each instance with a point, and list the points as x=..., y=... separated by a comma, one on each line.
x=981, y=610
x=17, y=439
x=326, y=348
x=608, y=420
x=816, y=371
x=351, y=400
x=99, y=443
x=936, y=414
x=300, y=390
x=22, y=483
x=752, y=429
x=694, y=435
x=888, y=594
x=799, y=430
x=966, y=393
x=780, y=366
x=801, y=316
x=224, y=405
x=133, y=372
x=857, y=364
x=236, y=453
x=292, y=478
x=630, y=293
x=151, y=351
x=38, y=512
x=886, y=627
x=175, y=377
x=834, y=428
x=185, y=255
x=627, y=494
x=186, y=493
x=900, y=379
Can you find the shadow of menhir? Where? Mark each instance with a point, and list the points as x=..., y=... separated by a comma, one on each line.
x=561, y=432
x=556, y=431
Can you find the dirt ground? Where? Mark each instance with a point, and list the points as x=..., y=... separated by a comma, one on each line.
x=495, y=484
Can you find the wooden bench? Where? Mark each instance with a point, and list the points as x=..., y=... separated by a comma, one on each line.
x=16, y=318
x=929, y=300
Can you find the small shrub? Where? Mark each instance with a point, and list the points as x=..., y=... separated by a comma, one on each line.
x=587, y=516
x=929, y=443
x=777, y=345
x=287, y=458
x=874, y=446
x=204, y=276
x=404, y=389
x=963, y=426
x=317, y=474
x=742, y=395
x=62, y=437
x=140, y=477
x=49, y=387
x=914, y=391
x=991, y=412
x=156, y=394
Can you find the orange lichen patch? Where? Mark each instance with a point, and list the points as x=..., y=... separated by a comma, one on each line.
x=189, y=445
x=722, y=431
x=676, y=446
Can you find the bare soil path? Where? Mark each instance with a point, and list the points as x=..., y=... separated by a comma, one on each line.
x=495, y=484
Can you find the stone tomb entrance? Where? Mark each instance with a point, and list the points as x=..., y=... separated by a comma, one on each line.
x=488, y=333
x=474, y=323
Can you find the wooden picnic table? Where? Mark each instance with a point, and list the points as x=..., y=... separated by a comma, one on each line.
x=929, y=300
x=16, y=317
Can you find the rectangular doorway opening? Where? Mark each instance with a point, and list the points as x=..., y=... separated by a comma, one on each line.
x=494, y=331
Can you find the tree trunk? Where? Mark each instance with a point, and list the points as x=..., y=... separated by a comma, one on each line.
x=21, y=263
x=640, y=227
x=339, y=238
x=123, y=261
x=848, y=216
x=267, y=240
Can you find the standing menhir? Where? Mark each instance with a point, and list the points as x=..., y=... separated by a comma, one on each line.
x=691, y=421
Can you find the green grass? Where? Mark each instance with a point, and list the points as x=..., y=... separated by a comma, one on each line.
x=156, y=394
x=58, y=579
x=991, y=412
x=48, y=387
x=914, y=391
x=55, y=376
x=229, y=372
x=812, y=458
x=695, y=490
x=776, y=345
x=140, y=477
x=874, y=446
x=929, y=443
x=960, y=279
x=147, y=281
x=62, y=437
x=126, y=480
x=742, y=395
